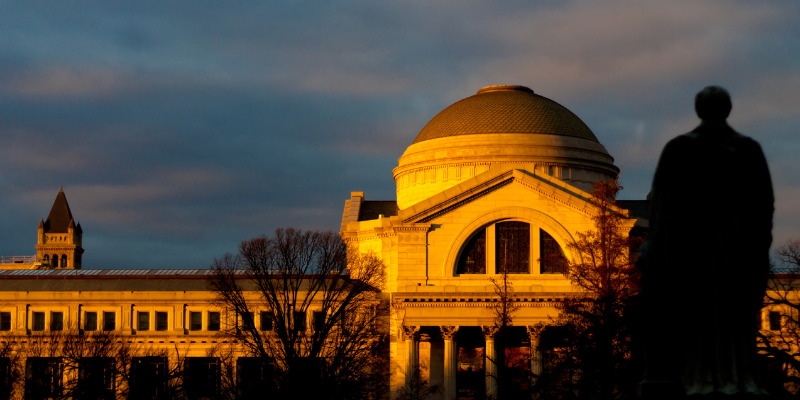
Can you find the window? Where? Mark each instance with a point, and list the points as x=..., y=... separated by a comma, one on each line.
x=299, y=321
x=255, y=376
x=63, y=261
x=6, y=379
x=148, y=377
x=5, y=321
x=507, y=246
x=319, y=320
x=56, y=321
x=201, y=377
x=473, y=259
x=267, y=321
x=247, y=321
x=38, y=321
x=213, y=321
x=144, y=321
x=311, y=368
x=95, y=378
x=553, y=259
x=513, y=247
x=161, y=321
x=196, y=321
x=43, y=377
x=109, y=321
x=774, y=321
x=90, y=324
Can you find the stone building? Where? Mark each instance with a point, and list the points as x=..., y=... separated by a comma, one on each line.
x=495, y=182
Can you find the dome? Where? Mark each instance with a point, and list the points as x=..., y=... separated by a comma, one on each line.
x=505, y=126
x=505, y=109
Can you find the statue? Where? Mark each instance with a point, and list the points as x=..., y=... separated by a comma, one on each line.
x=706, y=260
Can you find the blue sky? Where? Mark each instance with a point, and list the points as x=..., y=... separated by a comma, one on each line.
x=179, y=129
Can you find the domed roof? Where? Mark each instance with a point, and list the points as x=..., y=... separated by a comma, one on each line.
x=505, y=109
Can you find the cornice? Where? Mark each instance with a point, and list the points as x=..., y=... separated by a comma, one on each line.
x=449, y=300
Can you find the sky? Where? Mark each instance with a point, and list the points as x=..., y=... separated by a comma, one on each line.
x=179, y=129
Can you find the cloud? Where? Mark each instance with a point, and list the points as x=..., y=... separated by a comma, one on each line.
x=179, y=132
x=65, y=83
x=622, y=48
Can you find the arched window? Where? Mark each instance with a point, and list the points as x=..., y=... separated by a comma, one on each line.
x=46, y=259
x=513, y=247
x=553, y=259
x=64, y=261
x=473, y=258
x=55, y=260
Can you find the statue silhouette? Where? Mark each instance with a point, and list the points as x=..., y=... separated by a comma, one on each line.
x=706, y=260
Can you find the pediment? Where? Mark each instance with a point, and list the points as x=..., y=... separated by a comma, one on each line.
x=493, y=180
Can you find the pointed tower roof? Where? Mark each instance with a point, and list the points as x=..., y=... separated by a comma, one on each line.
x=60, y=215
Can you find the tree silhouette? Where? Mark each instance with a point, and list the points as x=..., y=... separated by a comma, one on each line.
x=588, y=346
x=309, y=314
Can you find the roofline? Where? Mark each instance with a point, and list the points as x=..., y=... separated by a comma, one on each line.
x=126, y=274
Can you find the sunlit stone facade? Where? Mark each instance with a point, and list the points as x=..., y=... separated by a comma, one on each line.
x=494, y=181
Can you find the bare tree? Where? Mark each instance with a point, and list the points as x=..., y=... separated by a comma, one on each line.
x=503, y=310
x=590, y=356
x=321, y=317
x=419, y=388
x=12, y=371
x=505, y=306
x=70, y=364
x=779, y=336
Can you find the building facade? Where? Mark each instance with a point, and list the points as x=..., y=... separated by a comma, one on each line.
x=495, y=183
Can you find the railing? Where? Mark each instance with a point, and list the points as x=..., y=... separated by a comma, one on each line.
x=18, y=259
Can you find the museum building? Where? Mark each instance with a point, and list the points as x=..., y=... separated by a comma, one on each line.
x=495, y=182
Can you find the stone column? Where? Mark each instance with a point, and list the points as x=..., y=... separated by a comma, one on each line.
x=450, y=361
x=490, y=362
x=411, y=337
x=537, y=361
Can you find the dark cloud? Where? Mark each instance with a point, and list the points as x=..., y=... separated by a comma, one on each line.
x=180, y=129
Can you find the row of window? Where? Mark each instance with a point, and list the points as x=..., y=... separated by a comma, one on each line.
x=299, y=319
x=150, y=377
x=63, y=260
x=92, y=321
x=108, y=322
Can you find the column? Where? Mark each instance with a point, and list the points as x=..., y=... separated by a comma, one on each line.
x=537, y=362
x=450, y=361
x=411, y=337
x=491, y=361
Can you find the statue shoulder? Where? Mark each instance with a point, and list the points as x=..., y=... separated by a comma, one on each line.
x=680, y=143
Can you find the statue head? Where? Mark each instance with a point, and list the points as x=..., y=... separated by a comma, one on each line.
x=713, y=104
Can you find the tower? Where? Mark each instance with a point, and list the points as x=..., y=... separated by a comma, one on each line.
x=59, y=241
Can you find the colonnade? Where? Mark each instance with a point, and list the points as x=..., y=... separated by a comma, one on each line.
x=411, y=335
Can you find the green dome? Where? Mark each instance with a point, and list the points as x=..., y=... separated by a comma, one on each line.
x=505, y=109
